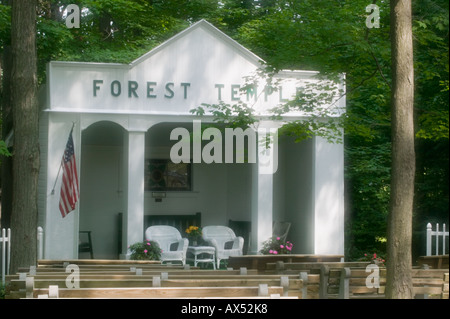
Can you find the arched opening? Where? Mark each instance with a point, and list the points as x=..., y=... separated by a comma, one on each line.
x=221, y=192
x=101, y=198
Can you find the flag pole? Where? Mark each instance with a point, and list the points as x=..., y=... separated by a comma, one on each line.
x=60, y=165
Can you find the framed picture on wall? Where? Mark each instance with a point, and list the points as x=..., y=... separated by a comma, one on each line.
x=164, y=175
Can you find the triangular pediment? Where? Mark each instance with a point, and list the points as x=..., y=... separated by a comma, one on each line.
x=200, y=65
x=201, y=39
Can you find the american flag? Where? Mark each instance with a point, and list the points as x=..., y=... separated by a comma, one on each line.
x=69, y=186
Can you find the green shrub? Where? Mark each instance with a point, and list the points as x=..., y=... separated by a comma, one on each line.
x=147, y=250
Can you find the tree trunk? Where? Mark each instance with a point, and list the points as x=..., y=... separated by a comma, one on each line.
x=399, y=260
x=7, y=125
x=26, y=148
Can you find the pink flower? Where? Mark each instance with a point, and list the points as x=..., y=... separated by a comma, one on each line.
x=145, y=251
x=281, y=246
x=270, y=251
x=278, y=238
x=275, y=252
x=148, y=244
x=289, y=248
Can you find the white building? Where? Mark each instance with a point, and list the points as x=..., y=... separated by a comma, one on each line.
x=123, y=116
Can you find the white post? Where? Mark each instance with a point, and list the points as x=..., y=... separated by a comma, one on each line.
x=437, y=238
x=40, y=242
x=443, y=239
x=6, y=252
x=328, y=197
x=262, y=186
x=262, y=209
x=3, y=240
x=134, y=161
x=428, y=252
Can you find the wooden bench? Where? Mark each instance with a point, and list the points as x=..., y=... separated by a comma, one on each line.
x=354, y=283
x=358, y=283
x=435, y=261
x=339, y=281
x=326, y=283
x=282, y=267
x=99, y=262
x=430, y=283
x=16, y=283
x=292, y=285
x=159, y=292
x=135, y=271
x=259, y=262
x=445, y=287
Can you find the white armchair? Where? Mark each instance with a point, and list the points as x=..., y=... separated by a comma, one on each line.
x=224, y=240
x=169, y=239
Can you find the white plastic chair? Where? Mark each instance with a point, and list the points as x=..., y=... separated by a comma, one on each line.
x=224, y=240
x=168, y=237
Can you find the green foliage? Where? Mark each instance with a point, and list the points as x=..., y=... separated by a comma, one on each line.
x=331, y=37
x=147, y=250
x=5, y=25
x=4, y=149
x=236, y=115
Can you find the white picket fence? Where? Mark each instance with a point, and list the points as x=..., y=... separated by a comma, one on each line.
x=5, y=241
x=440, y=237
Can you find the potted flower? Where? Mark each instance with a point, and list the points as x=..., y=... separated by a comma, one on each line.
x=274, y=246
x=147, y=250
x=194, y=234
x=374, y=259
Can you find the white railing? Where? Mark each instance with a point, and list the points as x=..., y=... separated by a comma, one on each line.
x=5, y=240
x=438, y=234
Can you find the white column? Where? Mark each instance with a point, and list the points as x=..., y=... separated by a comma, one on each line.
x=328, y=197
x=133, y=211
x=61, y=234
x=262, y=209
x=262, y=188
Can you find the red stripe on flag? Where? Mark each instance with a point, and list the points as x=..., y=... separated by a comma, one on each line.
x=69, y=187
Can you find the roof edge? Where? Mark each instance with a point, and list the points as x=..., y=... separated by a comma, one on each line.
x=210, y=28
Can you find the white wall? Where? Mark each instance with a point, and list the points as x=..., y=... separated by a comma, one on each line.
x=298, y=188
x=208, y=197
x=328, y=197
x=60, y=234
